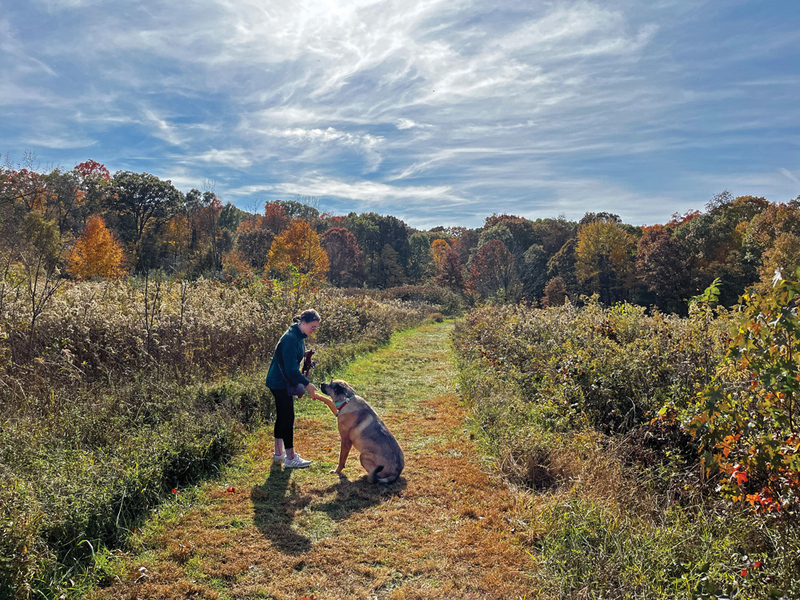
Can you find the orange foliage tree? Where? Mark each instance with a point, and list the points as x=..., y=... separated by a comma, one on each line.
x=96, y=253
x=299, y=246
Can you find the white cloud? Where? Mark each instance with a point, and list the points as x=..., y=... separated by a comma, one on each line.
x=464, y=101
x=791, y=176
x=403, y=123
x=370, y=192
x=58, y=142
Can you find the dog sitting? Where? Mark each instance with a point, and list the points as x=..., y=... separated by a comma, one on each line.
x=361, y=427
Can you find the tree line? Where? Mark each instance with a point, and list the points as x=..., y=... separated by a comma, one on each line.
x=85, y=223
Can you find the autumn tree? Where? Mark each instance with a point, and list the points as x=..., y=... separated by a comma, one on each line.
x=769, y=240
x=176, y=235
x=276, y=220
x=450, y=271
x=662, y=263
x=438, y=250
x=346, y=261
x=94, y=184
x=605, y=259
x=555, y=292
x=96, y=253
x=212, y=240
x=298, y=246
x=783, y=257
x=492, y=273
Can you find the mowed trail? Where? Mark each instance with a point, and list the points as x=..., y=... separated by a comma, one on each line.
x=442, y=531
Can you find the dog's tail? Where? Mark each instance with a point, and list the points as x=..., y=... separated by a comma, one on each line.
x=375, y=479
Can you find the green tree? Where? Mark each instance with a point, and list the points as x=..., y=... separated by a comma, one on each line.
x=373, y=232
x=386, y=271
x=143, y=202
x=715, y=241
x=421, y=264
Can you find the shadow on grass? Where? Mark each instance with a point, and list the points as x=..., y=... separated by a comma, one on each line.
x=355, y=496
x=275, y=503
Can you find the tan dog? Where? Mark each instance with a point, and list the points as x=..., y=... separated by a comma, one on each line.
x=361, y=427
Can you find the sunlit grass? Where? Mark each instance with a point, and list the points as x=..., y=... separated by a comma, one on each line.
x=288, y=533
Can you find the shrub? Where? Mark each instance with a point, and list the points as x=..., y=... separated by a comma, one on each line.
x=596, y=407
x=747, y=419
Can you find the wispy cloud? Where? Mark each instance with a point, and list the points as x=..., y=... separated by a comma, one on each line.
x=436, y=109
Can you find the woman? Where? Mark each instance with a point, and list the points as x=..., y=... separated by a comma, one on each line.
x=285, y=379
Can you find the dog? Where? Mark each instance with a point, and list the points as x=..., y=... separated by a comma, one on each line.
x=360, y=426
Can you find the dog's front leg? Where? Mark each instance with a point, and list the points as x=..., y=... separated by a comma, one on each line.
x=344, y=452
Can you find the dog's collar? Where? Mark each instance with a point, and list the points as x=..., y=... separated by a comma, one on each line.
x=340, y=406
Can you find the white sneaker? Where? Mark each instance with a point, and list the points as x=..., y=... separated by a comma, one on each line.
x=296, y=462
x=278, y=458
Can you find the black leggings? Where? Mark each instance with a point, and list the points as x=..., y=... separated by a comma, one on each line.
x=284, y=417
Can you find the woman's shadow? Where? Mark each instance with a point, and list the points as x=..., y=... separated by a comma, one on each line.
x=274, y=505
x=278, y=500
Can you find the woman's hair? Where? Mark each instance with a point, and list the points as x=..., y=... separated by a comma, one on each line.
x=307, y=316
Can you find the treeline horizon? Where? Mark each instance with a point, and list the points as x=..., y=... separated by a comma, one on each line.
x=85, y=223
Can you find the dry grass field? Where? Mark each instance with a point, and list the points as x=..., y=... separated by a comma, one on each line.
x=446, y=529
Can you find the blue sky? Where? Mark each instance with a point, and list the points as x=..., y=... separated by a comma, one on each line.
x=439, y=112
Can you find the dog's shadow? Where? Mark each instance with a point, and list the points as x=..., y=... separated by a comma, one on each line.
x=356, y=495
x=275, y=504
x=278, y=500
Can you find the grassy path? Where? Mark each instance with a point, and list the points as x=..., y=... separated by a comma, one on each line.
x=442, y=531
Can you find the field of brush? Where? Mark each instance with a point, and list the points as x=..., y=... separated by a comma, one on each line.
x=119, y=393
x=122, y=395
x=583, y=410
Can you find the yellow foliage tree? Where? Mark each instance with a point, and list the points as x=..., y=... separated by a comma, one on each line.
x=298, y=246
x=439, y=249
x=605, y=259
x=96, y=253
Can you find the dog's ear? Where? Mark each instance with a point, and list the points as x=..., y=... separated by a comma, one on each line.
x=338, y=388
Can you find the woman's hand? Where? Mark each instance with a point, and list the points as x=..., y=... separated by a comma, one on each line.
x=312, y=391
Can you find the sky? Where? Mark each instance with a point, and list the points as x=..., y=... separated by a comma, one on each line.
x=438, y=112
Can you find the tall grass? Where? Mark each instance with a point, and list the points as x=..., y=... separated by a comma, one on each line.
x=129, y=390
x=620, y=507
